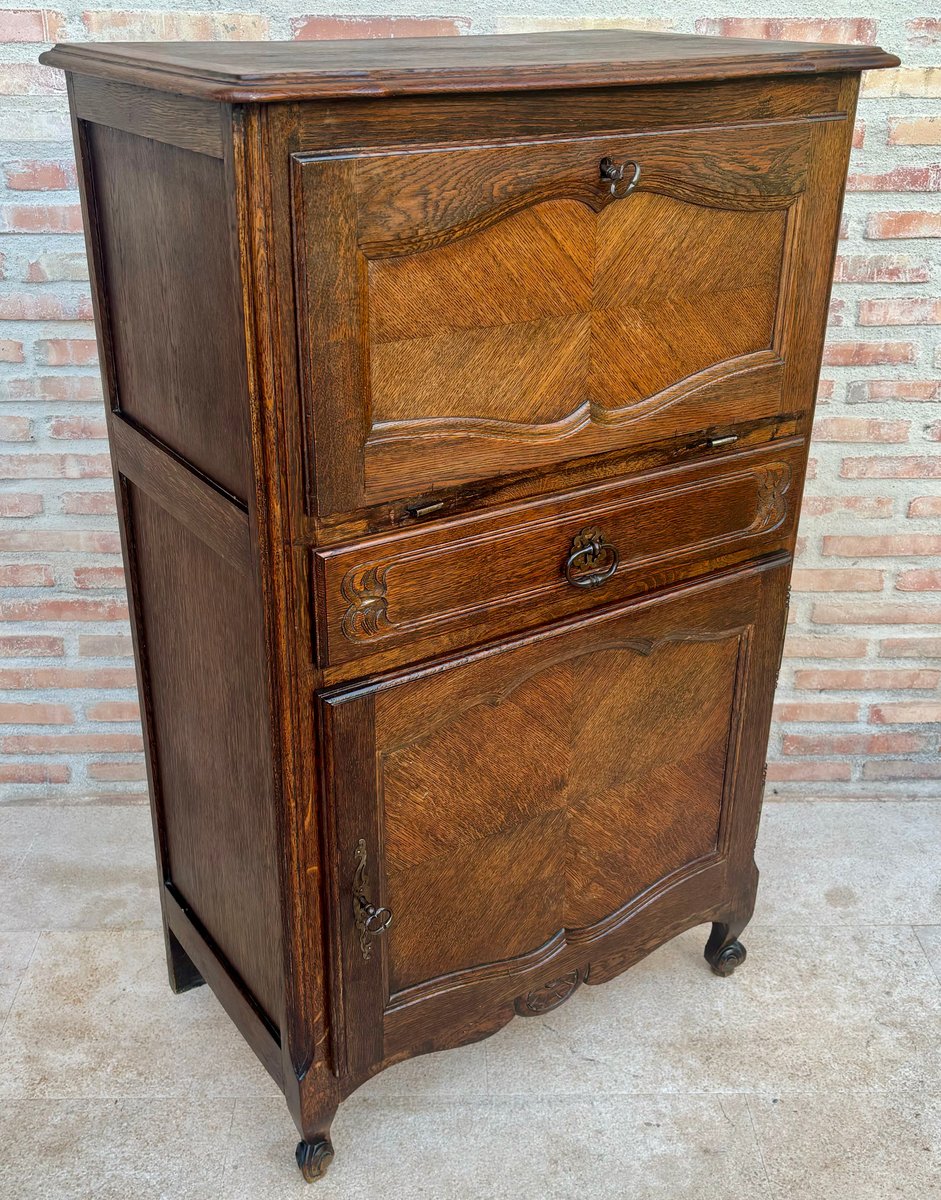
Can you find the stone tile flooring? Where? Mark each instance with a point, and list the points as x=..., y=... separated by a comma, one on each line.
x=812, y=1074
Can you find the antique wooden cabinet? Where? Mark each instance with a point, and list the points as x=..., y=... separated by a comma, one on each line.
x=458, y=394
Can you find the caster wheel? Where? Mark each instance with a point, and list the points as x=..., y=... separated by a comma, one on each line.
x=728, y=960
x=314, y=1158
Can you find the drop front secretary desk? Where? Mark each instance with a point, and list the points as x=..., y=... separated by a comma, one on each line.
x=458, y=395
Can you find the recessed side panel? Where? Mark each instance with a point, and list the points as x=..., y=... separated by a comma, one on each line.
x=201, y=647
x=175, y=330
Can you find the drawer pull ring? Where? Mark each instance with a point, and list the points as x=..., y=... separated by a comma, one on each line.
x=370, y=920
x=589, y=549
x=613, y=175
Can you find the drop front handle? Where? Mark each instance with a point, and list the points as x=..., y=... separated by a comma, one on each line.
x=591, y=561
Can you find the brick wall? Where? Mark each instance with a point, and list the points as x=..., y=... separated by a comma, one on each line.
x=859, y=700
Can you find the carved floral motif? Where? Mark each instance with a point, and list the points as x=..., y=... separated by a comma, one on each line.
x=364, y=588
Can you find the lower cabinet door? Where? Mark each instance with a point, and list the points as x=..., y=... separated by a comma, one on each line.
x=511, y=822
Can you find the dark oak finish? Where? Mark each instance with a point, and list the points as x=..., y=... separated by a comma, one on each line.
x=459, y=441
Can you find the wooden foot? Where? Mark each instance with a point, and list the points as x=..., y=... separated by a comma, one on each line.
x=724, y=952
x=314, y=1157
x=182, y=972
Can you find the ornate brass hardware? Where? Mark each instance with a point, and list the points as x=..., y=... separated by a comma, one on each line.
x=589, y=549
x=613, y=175
x=370, y=920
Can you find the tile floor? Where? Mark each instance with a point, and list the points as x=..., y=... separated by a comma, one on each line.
x=813, y=1074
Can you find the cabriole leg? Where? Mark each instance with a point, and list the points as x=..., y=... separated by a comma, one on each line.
x=724, y=952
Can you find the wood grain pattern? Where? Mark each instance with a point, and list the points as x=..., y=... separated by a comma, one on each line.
x=600, y=754
x=411, y=339
x=211, y=516
x=178, y=350
x=182, y=121
x=497, y=306
x=202, y=643
x=454, y=584
x=266, y=71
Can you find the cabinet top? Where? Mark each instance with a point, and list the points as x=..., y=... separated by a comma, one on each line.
x=245, y=72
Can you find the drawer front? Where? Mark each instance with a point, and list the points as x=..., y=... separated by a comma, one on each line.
x=464, y=582
x=474, y=312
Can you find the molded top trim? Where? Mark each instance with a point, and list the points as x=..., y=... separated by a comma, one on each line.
x=244, y=72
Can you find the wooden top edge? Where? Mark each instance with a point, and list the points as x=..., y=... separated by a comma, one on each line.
x=244, y=72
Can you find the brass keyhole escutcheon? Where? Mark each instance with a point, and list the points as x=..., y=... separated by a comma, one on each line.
x=370, y=920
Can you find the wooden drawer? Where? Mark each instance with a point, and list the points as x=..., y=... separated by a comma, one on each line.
x=417, y=593
x=472, y=312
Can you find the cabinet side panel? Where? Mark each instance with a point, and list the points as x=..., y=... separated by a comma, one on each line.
x=201, y=638
x=169, y=272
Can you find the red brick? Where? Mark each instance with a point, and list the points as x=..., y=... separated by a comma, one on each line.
x=791, y=29
x=824, y=680
x=907, y=311
x=853, y=743
x=824, y=389
x=19, y=575
x=99, y=577
x=919, y=581
x=881, y=545
x=914, y=131
x=70, y=266
x=173, y=26
x=864, y=507
x=905, y=768
x=808, y=772
x=15, y=429
x=118, y=772
x=827, y=712
x=859, y=134
x=34, y=773
x=854, y=612
x=867, y=354
x=813, y=579
x=880, y=268
x=898, y=179
x=33, y=306
x=891, y=468
x=68, y=352
x=910, y=648
x=68, y=541
x=71, y=743
x=903, y=225
x=836, y=313
x=924, y=31
x=913, y=712
x=88, y=504
x=63, y=608
x=860, y=429
x=41, y=218
x=36, y=646
x=26, y=79
x=315, y=28
x=20, y=504
x=35, y=714
x=796, y=646
x=113, y=710
x=925, y=506
x=78, y=428
x=11, y=351
x=863, y=391
x=31, y=25
x=56, y=466
x=113, y=645
x=34, y=175
x=919, y=82
x=53, y=387
x=65, y=678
